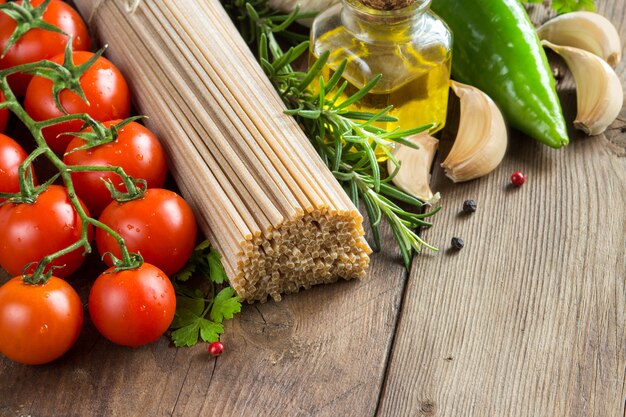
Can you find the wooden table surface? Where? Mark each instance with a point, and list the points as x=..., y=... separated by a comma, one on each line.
x=528, y=320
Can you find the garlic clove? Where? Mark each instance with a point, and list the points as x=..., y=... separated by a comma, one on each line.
x=413, y=177
x=482, y=137
x=599, y=93
x=585, y=30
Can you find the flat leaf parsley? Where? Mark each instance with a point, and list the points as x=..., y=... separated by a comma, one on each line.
x=193, y=305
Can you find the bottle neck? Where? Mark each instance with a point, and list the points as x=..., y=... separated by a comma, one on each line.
x=366, y=23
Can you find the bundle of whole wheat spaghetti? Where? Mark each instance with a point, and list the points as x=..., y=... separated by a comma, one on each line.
x=262, y=195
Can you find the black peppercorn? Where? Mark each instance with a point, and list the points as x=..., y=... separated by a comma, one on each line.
x=469, y=206
x=457, y=243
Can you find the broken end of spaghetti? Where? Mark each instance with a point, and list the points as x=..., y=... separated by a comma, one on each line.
x=316, y=248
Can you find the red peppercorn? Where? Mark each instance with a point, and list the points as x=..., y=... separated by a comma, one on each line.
x=216, y=348
x=518, y=178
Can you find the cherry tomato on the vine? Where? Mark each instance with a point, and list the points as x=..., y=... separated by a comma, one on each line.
x=38, y=323
x=105, y=89
x=11, y=157
x=38, y=44
x=136, y=149
x=160, y=226
x=31, y=231
x=4, y=115
x=132, y=307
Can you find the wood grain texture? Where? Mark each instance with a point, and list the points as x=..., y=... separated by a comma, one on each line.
x=528, y=319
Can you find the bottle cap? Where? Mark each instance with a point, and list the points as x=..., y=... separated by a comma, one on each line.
x=387, y=4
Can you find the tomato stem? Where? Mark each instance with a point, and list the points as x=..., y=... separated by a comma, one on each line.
x=40, y=275
x=30, y=68
x=27, y=185
x=23, y=13
x=67, y=118
x=127, y=258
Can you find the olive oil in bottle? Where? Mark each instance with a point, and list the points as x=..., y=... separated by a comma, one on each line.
x=400, y=39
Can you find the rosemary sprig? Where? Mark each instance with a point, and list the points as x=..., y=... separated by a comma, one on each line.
x=348, y=142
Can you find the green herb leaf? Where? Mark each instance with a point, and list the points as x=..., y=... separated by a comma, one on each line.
x=187, y=335
x=184, y=317
x=566, y=6
x=217, y=273
x=190, y=325
x=193, y=305
x=225, y=305
x=186, y=272
x=209, y=331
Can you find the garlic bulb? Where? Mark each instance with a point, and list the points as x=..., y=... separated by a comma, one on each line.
x=482, y=138
x=413, y=177
x=306, y=6
x=585, y=30
x=599, y=93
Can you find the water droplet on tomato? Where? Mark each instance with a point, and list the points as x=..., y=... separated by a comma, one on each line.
x=162, y=295
x=142, y=308
x=130, y=227
x=139, y=157
x=43, y=329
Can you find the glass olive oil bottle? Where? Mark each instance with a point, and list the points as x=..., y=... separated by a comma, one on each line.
x=402, y=40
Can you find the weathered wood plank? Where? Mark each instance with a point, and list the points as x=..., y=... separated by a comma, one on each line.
x=528, y=319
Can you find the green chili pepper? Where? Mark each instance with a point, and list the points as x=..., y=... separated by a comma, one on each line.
x=497, y=50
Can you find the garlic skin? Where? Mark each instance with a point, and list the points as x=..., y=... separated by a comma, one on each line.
x=599, y=93
x=413, y=177
x=306, y=6
x=585, y=30
x=482, y=138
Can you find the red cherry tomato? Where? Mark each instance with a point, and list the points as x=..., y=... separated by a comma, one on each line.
x=4, y=114
x=31, y=231
x=160, y=226
x=38, y=44
x=132, y=307
x=11, y=157
x=38, y=323
x=136, y=150
x=103, y=85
